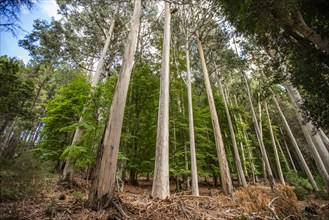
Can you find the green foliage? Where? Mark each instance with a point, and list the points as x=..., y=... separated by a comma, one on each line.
x=16, y=90
x=139, y=126
x=62, y=112
x=77, y=195
x=323, y=192
x=297, y=180
x=23, y=176
x=94, y=115
x=272, y=26
x=302, y=185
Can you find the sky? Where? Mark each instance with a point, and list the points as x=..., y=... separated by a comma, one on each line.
x=44, y=9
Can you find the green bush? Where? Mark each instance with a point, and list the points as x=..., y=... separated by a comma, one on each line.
x=301, y=192
x=298, y=181
x=22, y=176
x=302, y=185
x=77, y=195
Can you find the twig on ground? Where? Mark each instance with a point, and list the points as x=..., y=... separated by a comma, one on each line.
x=272, y=209
x=120, y=210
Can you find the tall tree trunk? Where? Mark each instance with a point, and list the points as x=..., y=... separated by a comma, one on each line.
x=42, y=84
x=277, y=159
x=289, y=154
x=319, y=161
x=68, y=171
x=260, y=137
x=195, y=184
x=102, y=191
x=325, y=138
x=283, y=156
x=4, y=125
x=160, y=187
x=244, y=161
x=124, y=146
x=300, y=26
x=293, y=140
x=241, y=176
x=259, y=134
x=104, y=51
x=223, y=164
x=317, y=143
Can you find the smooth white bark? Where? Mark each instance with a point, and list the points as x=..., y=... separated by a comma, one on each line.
x=289, y=154
x=294, y=142
x=316, y=144
x=259, y=134
x=160, y=187
x=325, y=138
x=104, y=51
x=105, y=174
x=226, y=181
x=311, y=145
x=276, y=154
x=237, y=160
x=195, y=185
x=283, y=156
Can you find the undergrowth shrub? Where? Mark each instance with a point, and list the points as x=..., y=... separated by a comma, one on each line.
x=22, y=176
x=302, y=185
x=322, y=193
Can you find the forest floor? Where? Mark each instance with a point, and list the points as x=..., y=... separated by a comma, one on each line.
x=61, y=201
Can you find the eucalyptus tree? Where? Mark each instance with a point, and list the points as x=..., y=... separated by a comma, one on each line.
x=257, y=124
x=320, y=161
x=258, y=133
x=102, y=192
x=195, y=186
x=69, y=165
x=241, y=175
x=296, y=147
x=16, y=98
x=160, y=187
x=299, y=30
x=276, y=154
x=226, y=181
x=139, y=124
x=315, y=140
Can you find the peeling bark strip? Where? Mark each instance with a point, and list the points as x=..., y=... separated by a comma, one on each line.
x=102, y=191
x=160, y=187
x=223, y=165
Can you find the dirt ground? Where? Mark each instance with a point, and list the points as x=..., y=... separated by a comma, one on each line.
x=65, y=202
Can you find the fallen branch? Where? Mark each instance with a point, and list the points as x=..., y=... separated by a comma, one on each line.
x=120, y=210
x=272, y=209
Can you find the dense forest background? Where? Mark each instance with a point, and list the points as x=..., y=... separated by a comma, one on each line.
x=217, y=93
